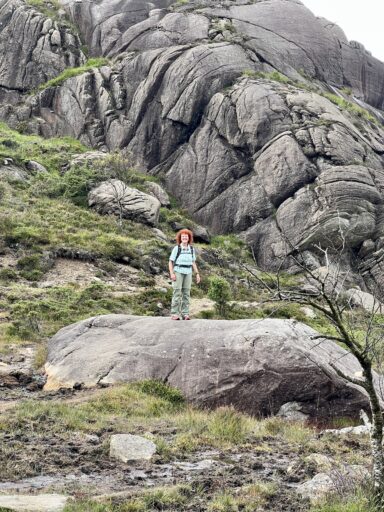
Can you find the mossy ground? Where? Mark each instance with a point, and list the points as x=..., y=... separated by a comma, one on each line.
x=249, y=457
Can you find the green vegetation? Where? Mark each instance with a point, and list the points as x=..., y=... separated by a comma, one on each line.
x=161, y=498
x=359, y=501
x=109, y=409
x=247, y=498
x=51, y=153
x=350, y=107
x=220, y=292
x=79, y=179
x=46, y=224
x=128, y=408
x=346, y=90
x=161, y=390
x=33, y=314
x=275, y=76
x=71, y=72
x=50, y=9
x=159, y=412
x=232, y=246
x=39, y=313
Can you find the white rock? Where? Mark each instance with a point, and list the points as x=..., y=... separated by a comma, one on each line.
x=315, y=489
x=56, y=38
x=292, y=411
x=308, y=312
x=37, y=503
x=364, y=300
x=127, y=447
x=359, y=431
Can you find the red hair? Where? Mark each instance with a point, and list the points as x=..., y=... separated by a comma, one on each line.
x=184, y=232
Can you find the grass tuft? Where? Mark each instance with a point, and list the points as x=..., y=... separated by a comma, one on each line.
x=350, y=107
x=71, y=72
x=161, y=390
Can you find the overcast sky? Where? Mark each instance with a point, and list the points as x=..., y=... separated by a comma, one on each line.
x=361, y=21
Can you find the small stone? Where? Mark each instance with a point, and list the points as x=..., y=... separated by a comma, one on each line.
x=308, y=312
x=360, y=430
x=93, y=439
x=39, y=503
x=35, y=166
x=315, y=489
x=127, y=447
x=292, y=411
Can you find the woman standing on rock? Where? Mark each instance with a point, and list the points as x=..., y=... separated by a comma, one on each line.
x=181, y=263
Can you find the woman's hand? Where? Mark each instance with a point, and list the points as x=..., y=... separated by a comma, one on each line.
x=198, y=278
x=173, y=277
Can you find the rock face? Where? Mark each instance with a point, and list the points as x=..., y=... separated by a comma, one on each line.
x=105, y=24
x=114, y=196
x=43, y=50
x=255, y=365
x=194, y=94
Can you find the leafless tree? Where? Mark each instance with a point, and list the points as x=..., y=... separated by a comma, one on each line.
x=360, y=330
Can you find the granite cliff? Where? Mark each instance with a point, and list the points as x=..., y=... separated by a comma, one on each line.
x=260, y=118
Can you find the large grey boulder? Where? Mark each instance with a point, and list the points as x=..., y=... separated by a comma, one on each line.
x=43, y=50
x=115, y=197
x=257, y=366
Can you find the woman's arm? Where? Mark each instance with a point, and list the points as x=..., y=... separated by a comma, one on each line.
x=171, y=272
x=196, y=270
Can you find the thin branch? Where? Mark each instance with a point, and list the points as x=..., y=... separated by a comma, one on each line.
x=347, y=377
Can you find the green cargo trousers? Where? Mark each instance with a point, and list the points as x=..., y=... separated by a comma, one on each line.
x=181, y=292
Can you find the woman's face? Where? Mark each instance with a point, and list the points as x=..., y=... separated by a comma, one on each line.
x=184, y=238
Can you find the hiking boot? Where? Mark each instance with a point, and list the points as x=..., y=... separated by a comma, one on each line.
x=175, y=317
x=187, y=317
